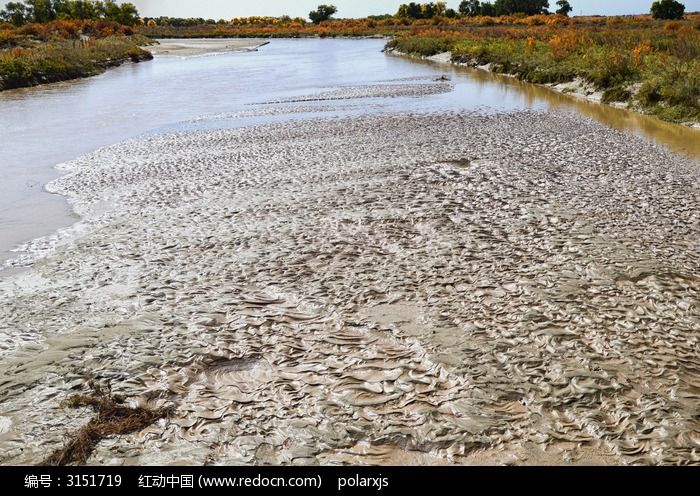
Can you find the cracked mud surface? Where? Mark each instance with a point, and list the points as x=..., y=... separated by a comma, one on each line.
x=432, y=288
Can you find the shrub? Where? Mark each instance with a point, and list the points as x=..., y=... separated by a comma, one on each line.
x=422, y=46
x=667, y=9
x=673, y=26
x=322, y=13
x=616, y=94
x=650, y=92
x=7, y=39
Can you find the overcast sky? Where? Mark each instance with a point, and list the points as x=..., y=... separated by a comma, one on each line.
x=348, y=8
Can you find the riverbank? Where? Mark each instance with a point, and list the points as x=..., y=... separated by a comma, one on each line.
x=65, y=60
x=643, y=65
x=579, y=87
x=65, y=50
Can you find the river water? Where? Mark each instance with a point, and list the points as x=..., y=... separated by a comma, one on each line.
x=42, y=127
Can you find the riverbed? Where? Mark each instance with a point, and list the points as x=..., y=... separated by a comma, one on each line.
x=359, y=260
x=47, y=125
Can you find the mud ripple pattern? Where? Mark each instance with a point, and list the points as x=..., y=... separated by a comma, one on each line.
x=434, y=288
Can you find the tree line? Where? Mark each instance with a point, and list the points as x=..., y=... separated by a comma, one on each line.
x=473, y=8
x=42, y=11
x=661, y=9
x=415, y=10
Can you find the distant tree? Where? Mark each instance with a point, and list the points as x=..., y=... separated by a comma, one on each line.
x=415, y=10
x=111, y=10
x=412, y=10
x=82, y=9
x=322, y=13
x=488, y=9
x=128, y=14
x=125, y=13
x=470, y=8
x=667, y=9
x=439, y=8
x=527, y=7
x=42, y=11
x=565, y=8
x=16, y=13
x=63, y=9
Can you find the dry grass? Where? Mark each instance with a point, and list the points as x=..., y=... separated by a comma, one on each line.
x=61, y=50
x=112, y=418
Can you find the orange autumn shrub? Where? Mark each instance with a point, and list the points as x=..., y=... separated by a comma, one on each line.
x=566, y=43
x=640, y=51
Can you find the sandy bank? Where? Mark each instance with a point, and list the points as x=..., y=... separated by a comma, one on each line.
x=194, y=47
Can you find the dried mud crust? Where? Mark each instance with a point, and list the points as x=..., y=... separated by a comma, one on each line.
x=435, y=288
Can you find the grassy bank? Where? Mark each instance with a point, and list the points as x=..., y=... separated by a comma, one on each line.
x=652, y=66
x=46, y=53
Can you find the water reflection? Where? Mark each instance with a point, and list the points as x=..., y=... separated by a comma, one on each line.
x=679, y=138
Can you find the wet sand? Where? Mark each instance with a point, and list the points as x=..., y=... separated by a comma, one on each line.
x=195, y=47
x=430, y=288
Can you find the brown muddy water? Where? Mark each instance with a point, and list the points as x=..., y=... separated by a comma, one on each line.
x=319, y=254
